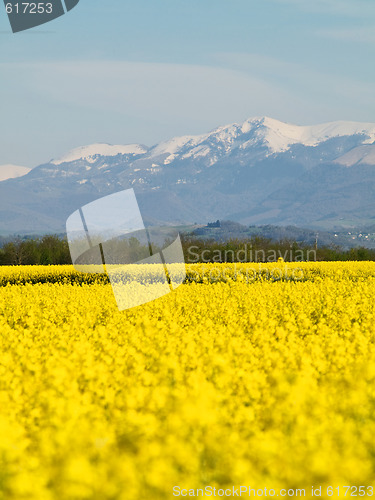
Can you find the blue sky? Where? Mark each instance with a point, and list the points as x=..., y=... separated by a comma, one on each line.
x=121, y=71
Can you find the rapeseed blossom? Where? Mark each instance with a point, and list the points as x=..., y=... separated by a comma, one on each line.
x=268, y=381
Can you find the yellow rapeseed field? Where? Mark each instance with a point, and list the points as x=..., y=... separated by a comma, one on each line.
x=245, y=375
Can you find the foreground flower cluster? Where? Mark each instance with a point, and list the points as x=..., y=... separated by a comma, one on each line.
x=269, y=383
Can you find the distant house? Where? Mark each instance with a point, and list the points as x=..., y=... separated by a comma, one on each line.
x=214, y=224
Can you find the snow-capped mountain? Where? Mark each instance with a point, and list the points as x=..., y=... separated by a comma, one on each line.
x=10, y=171
x=94, y=151
x=275, y=136
x=260, y=171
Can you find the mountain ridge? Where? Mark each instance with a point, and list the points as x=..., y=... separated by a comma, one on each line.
x=261, y=171
x=279, y=138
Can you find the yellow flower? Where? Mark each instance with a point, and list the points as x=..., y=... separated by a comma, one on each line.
x=260, y=374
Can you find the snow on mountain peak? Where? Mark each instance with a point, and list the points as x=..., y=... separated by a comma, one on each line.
x=265, y=132
x=279, y=136
x=273, y=134
x=90, y=152
x=10, y=171
x=174, y=145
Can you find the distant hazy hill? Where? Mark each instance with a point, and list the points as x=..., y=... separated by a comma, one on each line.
x=345, y=239
x=259, y=172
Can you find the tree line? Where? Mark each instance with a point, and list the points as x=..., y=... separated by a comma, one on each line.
x=47, y=250
x=261, y=249
x=54, y=250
